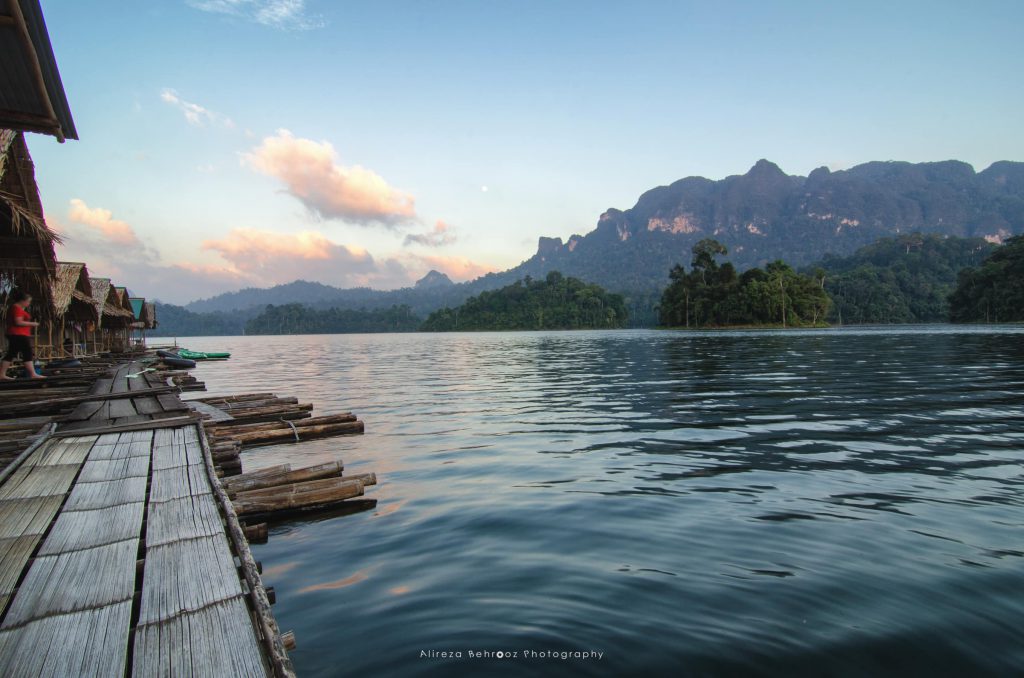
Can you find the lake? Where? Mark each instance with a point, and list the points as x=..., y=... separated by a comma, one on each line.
x=841, y=502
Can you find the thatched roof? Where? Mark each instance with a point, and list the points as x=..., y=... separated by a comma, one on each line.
x=108, y=304
x=27, y=259
x=124, y=299
x=31, y=94
x=72, y=293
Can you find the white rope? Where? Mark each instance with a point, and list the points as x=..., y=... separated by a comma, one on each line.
x=295, y=431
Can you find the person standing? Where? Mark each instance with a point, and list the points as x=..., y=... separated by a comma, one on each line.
x=19, y=336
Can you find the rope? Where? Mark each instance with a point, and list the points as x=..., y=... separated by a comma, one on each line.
x=295, y=431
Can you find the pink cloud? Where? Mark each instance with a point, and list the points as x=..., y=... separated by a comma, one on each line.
x=310, y=172
x=268, y=258
x=442, y=234
x=102, y=223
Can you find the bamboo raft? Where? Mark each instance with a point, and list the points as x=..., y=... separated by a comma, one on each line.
x=121, y=546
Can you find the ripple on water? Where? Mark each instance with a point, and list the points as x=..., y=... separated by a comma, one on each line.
x=845, y=502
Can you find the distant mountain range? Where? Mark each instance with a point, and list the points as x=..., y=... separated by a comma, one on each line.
x=760, y=216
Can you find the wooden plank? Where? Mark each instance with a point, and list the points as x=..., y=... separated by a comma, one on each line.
x=177, y=482
x=215, y=641
x=172, y=403
x=121, y=408
x=185, y=576
x=147, y=405
x=85, y=496
x=262, y=615
x=120, y=383
x=88, y=643
x=14, y=555
x=184, y=518
x=39, y=481
x=100, y=470
x=62, y=452
x=31, y=515
x=75, y=430
x=74, y=581
x=77, y=530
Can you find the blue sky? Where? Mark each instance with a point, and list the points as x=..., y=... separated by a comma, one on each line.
x=230, y=143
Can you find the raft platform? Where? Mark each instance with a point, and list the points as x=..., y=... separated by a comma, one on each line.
x=121, y=553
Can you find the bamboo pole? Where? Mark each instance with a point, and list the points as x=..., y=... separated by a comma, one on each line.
x=222, y=429
x=240, y=484
x=288, y=435
x=298, y=495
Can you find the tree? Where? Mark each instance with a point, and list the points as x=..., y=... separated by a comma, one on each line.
x=994, y=291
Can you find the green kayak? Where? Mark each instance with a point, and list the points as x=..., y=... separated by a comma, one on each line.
x=197, y=355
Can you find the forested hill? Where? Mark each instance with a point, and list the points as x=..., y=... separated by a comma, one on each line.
x=552, y=303
x=300, y=319
x=993, y=291
x=907, y=279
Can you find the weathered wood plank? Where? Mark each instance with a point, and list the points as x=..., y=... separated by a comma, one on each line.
x=38, y=481
x=177, y=482
x=31, y=515
x=86, y=496
x=184, y=518
x=14, y=554
x=77, y=530
x=75, y=581
x=185, y=576
x=121, y=408
x=215, y=641
x=88, y=643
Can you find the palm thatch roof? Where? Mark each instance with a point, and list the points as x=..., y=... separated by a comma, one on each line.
x=108, y=304
x=31, y=94
x=27, y=259
x=124, y=300
x=72, y=293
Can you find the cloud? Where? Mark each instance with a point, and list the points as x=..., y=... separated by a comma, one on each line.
x=441, y=235
x=310, y=172
x=282, y=14
x=243, y=257
x=457, y=268
x=194, y=113
x=268, y=258
x=100, y=226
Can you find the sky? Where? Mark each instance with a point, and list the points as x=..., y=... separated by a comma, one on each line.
x=246, y=143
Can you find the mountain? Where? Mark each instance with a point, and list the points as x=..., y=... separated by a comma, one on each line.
x=760, y=216
x=433, y=280
x=766, y=214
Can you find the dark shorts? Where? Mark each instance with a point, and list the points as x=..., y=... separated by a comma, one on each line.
x=19, y=345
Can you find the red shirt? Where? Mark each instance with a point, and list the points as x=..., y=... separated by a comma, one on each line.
x=18, y=330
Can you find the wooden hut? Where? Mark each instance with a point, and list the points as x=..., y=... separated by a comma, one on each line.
x=73, y=310
x=113, y=319
x=144, y=316
x=122, y=340
x=27, y=259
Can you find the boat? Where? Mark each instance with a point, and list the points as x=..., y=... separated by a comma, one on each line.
x=179, y=362
x=202, y=355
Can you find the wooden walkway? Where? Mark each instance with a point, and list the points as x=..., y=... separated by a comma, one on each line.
x=121, y=555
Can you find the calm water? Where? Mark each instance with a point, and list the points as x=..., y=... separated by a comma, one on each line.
x=824, y=503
